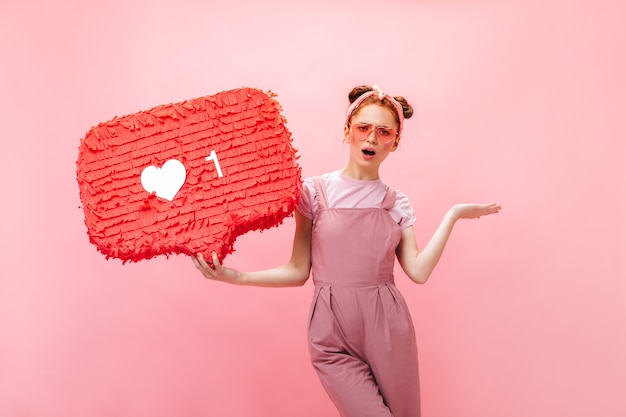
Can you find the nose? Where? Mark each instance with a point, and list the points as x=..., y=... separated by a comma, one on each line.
x=372, y=137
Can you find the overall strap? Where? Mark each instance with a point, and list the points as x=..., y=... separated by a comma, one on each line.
x=320, y=191
x=390, y=199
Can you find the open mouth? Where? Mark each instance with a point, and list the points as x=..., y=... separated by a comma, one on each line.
x=368, y=152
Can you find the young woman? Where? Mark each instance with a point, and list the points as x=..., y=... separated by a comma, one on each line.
x=350, y=227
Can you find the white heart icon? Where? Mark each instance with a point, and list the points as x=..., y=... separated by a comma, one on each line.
x=165, y=181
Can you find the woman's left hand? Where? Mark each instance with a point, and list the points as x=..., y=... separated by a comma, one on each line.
x=474, y=211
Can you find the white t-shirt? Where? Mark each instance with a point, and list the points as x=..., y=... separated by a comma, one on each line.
x=344, y=192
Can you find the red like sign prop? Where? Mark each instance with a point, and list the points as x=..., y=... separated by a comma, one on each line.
x=188, y=177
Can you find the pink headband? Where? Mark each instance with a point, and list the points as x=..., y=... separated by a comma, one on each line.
x=381, y=95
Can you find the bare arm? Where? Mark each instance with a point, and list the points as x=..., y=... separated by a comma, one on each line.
x=291, y=274
x=418, y=265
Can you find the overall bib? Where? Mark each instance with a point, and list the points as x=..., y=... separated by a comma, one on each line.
x=361, y=337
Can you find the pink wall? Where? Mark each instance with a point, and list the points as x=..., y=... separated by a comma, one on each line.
x=518, y=102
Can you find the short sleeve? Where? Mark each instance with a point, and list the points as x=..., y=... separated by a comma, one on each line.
x=402, y=211
x=307, y=199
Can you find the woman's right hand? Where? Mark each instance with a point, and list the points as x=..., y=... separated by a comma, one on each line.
x=217, y=271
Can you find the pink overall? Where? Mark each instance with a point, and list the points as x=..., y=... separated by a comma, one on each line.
x=361, y=337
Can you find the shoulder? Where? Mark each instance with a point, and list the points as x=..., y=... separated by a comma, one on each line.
x=402, y=210
x=308, y=183
x=402, y=199
x=308, y=204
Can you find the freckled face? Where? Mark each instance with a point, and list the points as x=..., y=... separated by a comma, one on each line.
x=367, y=153
x=370, y=148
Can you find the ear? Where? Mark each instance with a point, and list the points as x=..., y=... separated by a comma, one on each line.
x=346, y=134
x=395, y=144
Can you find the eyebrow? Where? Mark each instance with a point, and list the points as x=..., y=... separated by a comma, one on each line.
x=372, y=124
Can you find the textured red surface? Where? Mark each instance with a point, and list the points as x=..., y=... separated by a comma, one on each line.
x=260, y=184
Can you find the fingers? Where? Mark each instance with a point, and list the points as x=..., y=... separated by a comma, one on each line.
x=490, y=208
x=202, y=262
x=196, y=262
x=493, y=208
x=207, y=270
x=475, y=211
x=486, y=209
x=216, y=262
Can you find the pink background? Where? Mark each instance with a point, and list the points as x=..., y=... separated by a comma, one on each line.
x=517, y=102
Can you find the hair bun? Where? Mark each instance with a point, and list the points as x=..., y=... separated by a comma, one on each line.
x=358, y=91
x=407, y=109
